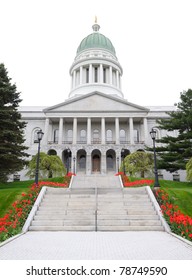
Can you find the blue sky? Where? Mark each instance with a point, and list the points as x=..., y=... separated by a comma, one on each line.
x=152, y=38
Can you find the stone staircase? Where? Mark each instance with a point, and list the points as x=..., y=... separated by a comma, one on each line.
x=96, y=209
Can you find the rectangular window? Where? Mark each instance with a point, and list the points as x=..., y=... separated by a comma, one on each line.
x=87, y=75
x=104, y=75
x=96, y=75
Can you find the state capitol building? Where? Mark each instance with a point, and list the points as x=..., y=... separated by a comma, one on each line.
x=96, y=126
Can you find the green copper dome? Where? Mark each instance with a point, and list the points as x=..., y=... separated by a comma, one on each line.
x=96, y=40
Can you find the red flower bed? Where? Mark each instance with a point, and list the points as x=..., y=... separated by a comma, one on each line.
x=136, y=183
x=14, y=219
x=179, y=223
x=139, y=183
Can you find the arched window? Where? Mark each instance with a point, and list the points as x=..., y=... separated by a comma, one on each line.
x=70, y=135
x=96, y=136
x=136, y=136
x=122, y=136
x=82, y=162
x=83, y=135
x=56, y=136
x=110, y=162
x=52, y=152
x=109, y=136
x=157, y=132
x=35, y=135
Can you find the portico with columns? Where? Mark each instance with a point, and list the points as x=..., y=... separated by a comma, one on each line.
x=94, y=134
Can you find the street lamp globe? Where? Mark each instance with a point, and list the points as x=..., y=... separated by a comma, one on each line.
x=153, y=134
x=40, y=135
x=153, y=137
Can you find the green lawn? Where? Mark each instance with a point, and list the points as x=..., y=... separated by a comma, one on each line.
x=181, y=193
x=10, y=192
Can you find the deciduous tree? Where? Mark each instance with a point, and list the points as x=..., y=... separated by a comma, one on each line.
x=138, y=162
x=49, y=166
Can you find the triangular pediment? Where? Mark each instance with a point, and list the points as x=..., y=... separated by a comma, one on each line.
x=96, y=102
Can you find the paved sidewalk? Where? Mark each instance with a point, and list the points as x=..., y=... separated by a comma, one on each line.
x=96, y=246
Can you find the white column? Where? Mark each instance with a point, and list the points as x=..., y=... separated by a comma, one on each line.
x=74, y=78
x=146, y=131
x=89, y=131
x=117, y=78
x=110, y=76
x=131, y=133
x=74, y=130
x=90, y=73
x=117, y=130
x=101, y=73
x=120, y=82
x=60, y=131
x=46, y=132
x=103, y=131
x=81, y=75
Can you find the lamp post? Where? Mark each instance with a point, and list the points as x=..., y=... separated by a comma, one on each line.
x=74, y=158
x=68, y=153
x=117, y=164
x=39, y=138
x=153, y=137
x=123, y=155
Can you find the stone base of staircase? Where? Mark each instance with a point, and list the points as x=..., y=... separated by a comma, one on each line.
x=96, y=209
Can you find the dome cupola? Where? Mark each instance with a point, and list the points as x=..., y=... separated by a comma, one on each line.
x=96, y=67
x=96, y=40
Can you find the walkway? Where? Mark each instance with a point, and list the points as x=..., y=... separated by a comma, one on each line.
x=100, y=245
x=96, y=246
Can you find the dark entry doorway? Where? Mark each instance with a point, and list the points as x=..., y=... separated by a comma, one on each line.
x=96, y=161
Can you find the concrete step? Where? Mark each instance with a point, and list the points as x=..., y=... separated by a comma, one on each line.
x=75, y=213
x=64, y=222
x=130, y=228
x=90, y=209
x=126, y=222
x=65, y=216
x=62, y=228
x=63, y=207
x=145, y=223
x=128, y=217
x=139, y=191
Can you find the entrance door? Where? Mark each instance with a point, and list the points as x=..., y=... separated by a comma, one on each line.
x=96, y=163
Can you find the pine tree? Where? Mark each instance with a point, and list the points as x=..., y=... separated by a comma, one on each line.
x=176, y=151
x=12, y=150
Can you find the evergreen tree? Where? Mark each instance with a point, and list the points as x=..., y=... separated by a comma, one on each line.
x=12, y=150
x=176, y=151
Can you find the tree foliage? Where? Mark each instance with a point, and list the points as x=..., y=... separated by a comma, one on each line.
x=138, y=163
x=176, y=150
x=189, y=170
x=12, y=150
x=49, y=166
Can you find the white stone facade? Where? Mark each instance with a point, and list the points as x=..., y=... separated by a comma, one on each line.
x=92, y=127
